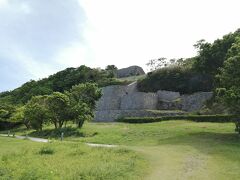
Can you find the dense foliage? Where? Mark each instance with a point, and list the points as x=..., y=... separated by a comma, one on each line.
x=176, y=78
x=75, y=105
x=229, y=82
x=36, y=112
x=83, y=100
x=59, y=82
x=196, y=73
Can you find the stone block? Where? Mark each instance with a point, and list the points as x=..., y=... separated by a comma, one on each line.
x=167, y=95
x=195, y=101
x=138, y=101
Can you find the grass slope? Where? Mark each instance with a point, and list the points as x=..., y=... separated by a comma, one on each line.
x=174, y=149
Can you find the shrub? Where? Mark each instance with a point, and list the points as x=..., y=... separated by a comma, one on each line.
x=196, y=118
x=46, y=150
x=175, y=78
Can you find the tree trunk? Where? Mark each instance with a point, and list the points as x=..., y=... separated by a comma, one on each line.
x=55, y=125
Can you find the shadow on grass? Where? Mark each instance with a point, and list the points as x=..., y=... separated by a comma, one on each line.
x=227, y=144
x=15, y=130
x=56, y=133
x=203, y=137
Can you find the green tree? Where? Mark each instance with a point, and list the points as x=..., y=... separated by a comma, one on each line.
x=155, y=64
x=111, y=70
x=87, y=93
x=6, y=111
x=229, y=86
x=18, y=116
x=36, y=112
x=58, y=105
x=80, y=113
x=229, y=83
x=83, y=99
x=211, y=57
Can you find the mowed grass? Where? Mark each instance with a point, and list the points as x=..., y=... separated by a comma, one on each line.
x=26, y=160
x=177, y=149
x=173, y=149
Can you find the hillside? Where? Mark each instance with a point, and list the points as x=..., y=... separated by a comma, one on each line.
x=59, y=82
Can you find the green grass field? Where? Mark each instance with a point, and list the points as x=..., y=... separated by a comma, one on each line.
x=25, y=160
x=164, y=150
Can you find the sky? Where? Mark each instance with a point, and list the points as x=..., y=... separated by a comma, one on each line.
x=42, y=37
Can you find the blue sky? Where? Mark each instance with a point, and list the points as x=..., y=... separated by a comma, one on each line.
x=41, y=37
x=32, y=33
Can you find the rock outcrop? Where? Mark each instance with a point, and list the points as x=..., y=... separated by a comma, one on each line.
x=130, y=71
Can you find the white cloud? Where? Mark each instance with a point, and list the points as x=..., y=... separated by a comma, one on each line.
x=36, y=68
x=3, y=3
x=25, y=8
x=73, y=55
x=130, y=32
x=13, y=7
x=45, y=36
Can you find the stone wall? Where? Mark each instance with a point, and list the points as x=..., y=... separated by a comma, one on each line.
x=111, y=98
x=168, y=95
x=139, y=101
x=122, y=101
x=195, y=101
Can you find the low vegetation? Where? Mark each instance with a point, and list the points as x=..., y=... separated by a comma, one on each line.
x=172, y=150
x=197, y=118
x=21, y=159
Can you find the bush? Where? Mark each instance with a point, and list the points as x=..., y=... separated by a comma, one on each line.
x=176, y=78
x=46, y=150
x=196, y=118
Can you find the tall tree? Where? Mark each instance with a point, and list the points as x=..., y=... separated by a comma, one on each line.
x=36, y=112
x=83, y=99
x=111, y=70
x=58, y=105
x=229, y=86
x=18, y=116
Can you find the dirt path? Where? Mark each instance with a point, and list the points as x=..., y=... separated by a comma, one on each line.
x=170, y=162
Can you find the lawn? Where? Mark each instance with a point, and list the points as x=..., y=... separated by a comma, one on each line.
x=25, y=160
x=172, y=149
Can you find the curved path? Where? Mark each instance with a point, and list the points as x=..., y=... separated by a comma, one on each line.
x=46, y=141
x=27, y=137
